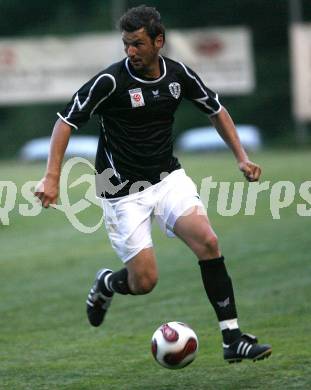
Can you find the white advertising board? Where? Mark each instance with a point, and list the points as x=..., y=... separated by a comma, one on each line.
x=300, y=42
x=222, y=57
x=52, y=69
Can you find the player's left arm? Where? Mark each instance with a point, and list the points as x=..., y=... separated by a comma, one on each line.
x=224, y=125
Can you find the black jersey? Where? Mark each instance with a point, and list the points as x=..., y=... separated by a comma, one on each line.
x=136, y=117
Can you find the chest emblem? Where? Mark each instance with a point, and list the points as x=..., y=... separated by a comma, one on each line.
x=137, y=98
x=175, y=90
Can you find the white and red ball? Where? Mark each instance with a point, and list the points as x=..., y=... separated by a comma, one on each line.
x=174, y=345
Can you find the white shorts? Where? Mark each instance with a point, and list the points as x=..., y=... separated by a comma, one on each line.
x=128, y=218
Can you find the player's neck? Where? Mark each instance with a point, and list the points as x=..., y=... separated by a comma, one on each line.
x=153, y=71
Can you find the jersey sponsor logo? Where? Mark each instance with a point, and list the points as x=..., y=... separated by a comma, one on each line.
x=175, y=90
x=156, y=93
x=137, y=98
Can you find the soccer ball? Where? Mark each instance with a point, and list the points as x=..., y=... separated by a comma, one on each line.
x=174, y=345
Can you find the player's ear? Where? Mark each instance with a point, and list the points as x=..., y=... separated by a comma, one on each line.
x=159, y=41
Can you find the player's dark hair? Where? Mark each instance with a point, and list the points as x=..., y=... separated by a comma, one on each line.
x=142, y=16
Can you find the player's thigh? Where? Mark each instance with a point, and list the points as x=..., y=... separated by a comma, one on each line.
x=194, y=224
x=195, y=229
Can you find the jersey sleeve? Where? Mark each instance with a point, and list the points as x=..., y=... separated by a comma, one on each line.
x=197, y=92
x=85, y=101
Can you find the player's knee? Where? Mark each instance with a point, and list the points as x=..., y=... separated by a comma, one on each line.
x=145, y=283
x=211, y=243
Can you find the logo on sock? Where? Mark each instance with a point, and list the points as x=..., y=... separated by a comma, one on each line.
x=224, y=303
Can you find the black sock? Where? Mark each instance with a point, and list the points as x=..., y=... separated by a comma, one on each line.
x=218, y=287
x=118, y=282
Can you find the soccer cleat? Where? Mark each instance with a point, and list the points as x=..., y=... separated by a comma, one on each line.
x=246, y=347
x=99, y=298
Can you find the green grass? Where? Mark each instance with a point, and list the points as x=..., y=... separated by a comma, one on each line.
x=47, y=266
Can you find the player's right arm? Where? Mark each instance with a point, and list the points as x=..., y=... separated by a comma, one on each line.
x=48, y=187
x=78, y=111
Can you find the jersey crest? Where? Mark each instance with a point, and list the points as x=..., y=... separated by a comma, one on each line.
x=137, y=98
x=175, y=89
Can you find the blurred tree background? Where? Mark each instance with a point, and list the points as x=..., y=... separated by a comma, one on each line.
x=269, y=107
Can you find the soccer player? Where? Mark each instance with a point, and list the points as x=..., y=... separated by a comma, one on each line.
x=138, y=177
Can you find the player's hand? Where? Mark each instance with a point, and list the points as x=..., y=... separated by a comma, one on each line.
x=47, y=190
x=251, y=170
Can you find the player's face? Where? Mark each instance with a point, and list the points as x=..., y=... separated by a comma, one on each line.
x=142, y=51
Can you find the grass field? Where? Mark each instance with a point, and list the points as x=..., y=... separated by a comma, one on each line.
x=47, y=267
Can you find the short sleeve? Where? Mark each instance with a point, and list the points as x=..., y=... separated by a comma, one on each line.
x=197, y=92
x=85, y=101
